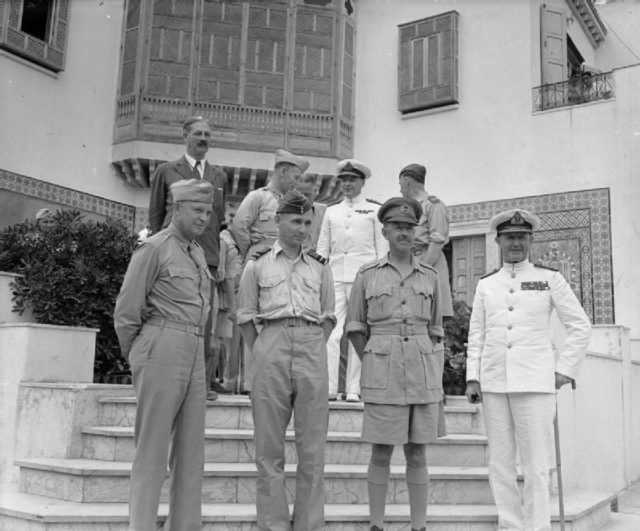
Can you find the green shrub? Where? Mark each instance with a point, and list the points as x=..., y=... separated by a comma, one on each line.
x=456, y=332
x=72, y=275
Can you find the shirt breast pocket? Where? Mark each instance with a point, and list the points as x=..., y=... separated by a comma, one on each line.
x=266, y=215
x=183, y=279
x=273, y=292
x=379, y=302
x=421, y=300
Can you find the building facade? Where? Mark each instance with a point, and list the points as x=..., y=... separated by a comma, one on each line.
x=508, y=104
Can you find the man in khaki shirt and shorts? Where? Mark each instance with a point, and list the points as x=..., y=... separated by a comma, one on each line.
x=395, y=325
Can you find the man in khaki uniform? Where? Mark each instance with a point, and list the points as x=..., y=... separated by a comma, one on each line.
x=290, y=293
x=159, y=318
x=254, y=227
x=432, y=232
x=395, y=325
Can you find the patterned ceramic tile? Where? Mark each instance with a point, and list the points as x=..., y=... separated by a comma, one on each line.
x=575, y=237
x=67, y=197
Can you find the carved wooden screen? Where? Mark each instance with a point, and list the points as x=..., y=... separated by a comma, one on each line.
x=312, y=88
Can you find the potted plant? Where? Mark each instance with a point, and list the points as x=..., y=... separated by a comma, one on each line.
x=456, y=331
x=71, y=274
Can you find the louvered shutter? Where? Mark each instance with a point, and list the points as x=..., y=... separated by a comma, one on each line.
x=428, y=63
x=553, y=43
x=48, y=53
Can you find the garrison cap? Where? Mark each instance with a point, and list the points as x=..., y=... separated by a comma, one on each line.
x=400, y=209
x=293, y=202
x=352, y=168
x=290, y=158
x=415, y=171
x=42, y=213
x=515, y=220
x=192, y=190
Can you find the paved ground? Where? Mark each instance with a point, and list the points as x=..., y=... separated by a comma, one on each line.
x=628, y=516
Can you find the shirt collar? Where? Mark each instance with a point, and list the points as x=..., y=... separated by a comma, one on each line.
x=277, y=248
x=415, y=262
x=518, y=266
x=354, y=201
x=182, y=241
x=192, y=161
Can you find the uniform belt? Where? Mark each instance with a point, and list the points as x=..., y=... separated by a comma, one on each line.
x=289, y=321
x=175, y=325
x=400, y=330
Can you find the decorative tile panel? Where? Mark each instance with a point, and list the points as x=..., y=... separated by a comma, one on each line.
x=66, y=197
x=574, y=237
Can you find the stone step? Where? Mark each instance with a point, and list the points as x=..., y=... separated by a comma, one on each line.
x=88, y=480
x=115, y=443
x=26, y=512
x=234, y=411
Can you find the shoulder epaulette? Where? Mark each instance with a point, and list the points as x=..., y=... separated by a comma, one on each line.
x=317, y=257
x=374, y=202
x=545, y=267
x=491, y=273
x=258, y=254
x=368, y=265
x=433, y=198
x=428, y=266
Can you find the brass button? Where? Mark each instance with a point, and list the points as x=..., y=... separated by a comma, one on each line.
x=508, y=345
x=405, y=339
x=402, y=284
x=509, y=327
x=510, y=308
x=513, y=275
x=512, y=290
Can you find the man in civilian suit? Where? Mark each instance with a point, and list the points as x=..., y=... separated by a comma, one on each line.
x=193, y=165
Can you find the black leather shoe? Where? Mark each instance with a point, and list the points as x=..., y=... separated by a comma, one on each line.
x=376, y=528
x=421, y=529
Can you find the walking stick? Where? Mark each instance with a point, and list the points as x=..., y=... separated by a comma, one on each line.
x=556, y=434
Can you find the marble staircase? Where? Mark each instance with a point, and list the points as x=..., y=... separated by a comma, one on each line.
x=88, y=491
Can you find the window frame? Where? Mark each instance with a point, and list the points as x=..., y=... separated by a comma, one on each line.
x=430, y=91
x=49, y=53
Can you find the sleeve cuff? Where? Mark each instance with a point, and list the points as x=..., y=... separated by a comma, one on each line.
x=435, y=331
x=356, y=326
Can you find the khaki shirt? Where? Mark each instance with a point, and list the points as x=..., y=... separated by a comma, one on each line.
x=164, y=279
x=433, y=226
x=401, y=319
x=254, y=221
x=273, y=286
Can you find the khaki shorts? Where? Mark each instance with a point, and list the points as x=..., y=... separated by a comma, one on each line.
x=393, y=424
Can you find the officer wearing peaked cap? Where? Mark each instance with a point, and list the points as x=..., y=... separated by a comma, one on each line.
x=350, y=236
x=432, y=233
x=395, y=325
x=289, y=293
x=512, y=367
x=160, y=318
x=254, y=227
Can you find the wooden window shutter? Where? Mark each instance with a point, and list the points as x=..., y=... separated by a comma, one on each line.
x=553, y=44
x=49, y=53
x=428, y=63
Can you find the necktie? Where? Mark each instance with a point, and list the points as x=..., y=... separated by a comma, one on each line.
x=196, y=170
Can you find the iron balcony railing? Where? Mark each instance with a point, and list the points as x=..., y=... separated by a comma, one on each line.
x=580, y=88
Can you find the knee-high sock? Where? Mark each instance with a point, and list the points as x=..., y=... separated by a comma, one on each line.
x=377, y=483
x=418, y=486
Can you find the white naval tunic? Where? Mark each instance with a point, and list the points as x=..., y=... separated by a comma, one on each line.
x=510, y=346
x=350, y=237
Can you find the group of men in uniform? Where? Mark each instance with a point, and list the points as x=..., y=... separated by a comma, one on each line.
x=378, y=275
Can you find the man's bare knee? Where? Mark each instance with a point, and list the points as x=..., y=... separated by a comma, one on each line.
x=415, y=455
x=381, y=454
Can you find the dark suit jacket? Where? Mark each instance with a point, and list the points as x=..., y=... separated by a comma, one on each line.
x=160, y=202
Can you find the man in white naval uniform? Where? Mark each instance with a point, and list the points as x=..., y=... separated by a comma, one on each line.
x=350, y=237
x=513, y=368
